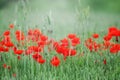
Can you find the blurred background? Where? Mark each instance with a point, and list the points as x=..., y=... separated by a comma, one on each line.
x=60, y=17
x=96, y=5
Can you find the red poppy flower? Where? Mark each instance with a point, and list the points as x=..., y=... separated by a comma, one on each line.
x=11, y=26
x=41, y=43
x=113, y=31
x=4, y=66
x=36, y=56
x=6, y=49
x=9, y=44
x=14, y=48
x=6, y=33
x=108, y=37
x=19, y=52
x=95, y=35
x=59, y=49
x=75, y=41
x=41, y=61
x=119, y=33
x=37, y=32
x=104, y=62
x=71, y=36
x=7, y=39
x=72, y=52
x=113, y=28
x=18, y=57
x=43, y=38
x=1, y=48
x=55, y=45
x=90, y=48
x=37, y=49
x=55, y=61
x=65, y=42
x=114, y=49
x=107, y=44
x=19, y=35
x=28, y=52
x=66, y=52
x=30, y=32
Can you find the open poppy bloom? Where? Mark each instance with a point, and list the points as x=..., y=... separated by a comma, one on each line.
x=37, y=57
x=41, y=60
x=55, y=61
x=6, y=33
x=75, y=41
x=18, y=52
x=71, y=36
x=95, y=36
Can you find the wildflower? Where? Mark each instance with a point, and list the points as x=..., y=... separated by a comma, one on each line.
x=37, y=32
x=55, y=61
x=19, y=52
x=64, y=42
x=112, y=28
x=37, y=49
x=104, y=62
x=114, y=49
x=107, y=44
x=59, y=49
x=75, y=41
x=9, y=44
x=1, y=48
x=19, y=35
x=6, y=33
x=41, y=60
x=55, y=45
x=6, y=49
x=107, y=37
x=95, y=36
x=11, y=26
x=41, y=43
x=71, y=36
x=18, y=57
x=43, y=38
x=28, y=52
x=14, y=48
x=72, y=52
x=36, y=56
x=4, y=66
x=30, y=32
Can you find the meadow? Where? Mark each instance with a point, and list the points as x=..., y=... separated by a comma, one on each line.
x=63, y=41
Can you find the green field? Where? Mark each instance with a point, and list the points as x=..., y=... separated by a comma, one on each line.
x=56, y=19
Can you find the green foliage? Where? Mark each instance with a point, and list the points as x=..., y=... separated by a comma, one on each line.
x=105, y=5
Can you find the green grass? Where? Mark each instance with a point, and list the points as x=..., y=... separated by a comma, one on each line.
x=62, y=22
x=75, y=68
